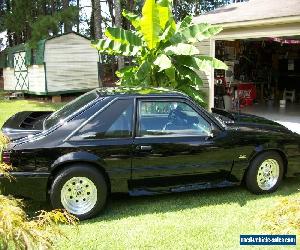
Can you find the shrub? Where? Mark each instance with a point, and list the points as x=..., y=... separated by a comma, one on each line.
x=17, y=230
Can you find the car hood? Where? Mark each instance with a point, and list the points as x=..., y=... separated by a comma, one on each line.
x=24, y=123
x=242, y=121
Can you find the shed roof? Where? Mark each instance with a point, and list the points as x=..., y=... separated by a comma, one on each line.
x=6, y=56
x=252, y=10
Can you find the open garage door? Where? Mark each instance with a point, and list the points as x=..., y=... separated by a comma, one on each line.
x=264, y=79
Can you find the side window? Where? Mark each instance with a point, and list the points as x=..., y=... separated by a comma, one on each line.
x=165, y=118
x=114, y=122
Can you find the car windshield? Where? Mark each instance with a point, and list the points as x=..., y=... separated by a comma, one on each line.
x=70, y=108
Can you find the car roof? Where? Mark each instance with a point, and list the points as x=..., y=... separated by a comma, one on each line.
x=138, y=91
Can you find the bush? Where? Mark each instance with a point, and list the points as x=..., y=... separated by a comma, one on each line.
x=17, y=230
x=284, y=217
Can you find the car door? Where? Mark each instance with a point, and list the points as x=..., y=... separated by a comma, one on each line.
x=174, y=144
x=108, y=135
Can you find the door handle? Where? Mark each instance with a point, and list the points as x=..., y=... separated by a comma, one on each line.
x=144, y=148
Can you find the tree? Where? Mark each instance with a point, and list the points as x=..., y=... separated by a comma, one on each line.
x=164, y=52
x=35, y=19
x=48, y=25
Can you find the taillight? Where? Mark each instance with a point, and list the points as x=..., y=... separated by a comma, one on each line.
x=6, y=157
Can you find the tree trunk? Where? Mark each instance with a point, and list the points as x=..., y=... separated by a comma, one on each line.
x=9, y=34
x=92, y=22
x=118, y=23
x=78, y=18
x=67, y=26
x=111, y=10
x=97, y=19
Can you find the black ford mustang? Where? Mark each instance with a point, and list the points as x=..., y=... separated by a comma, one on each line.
x=141, y=141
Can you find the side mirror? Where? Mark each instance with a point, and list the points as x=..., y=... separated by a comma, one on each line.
x=214, y=131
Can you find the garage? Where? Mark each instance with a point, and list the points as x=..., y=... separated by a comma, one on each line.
x=260, y=43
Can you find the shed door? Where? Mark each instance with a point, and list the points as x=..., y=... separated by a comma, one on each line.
x=20, y=71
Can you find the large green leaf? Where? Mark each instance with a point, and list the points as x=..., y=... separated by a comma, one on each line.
x=150, y=23
x=213, y=62
x=123, y=36
x=164, y=16
x=133, y=18
x=194, y=33
x=181, y=49
x=144, y=71
x=165, y=13
x=169, y=30
x=128, y=71
x=115, y=48
x=127, y=75
x=165, y=3
x=195, y=94
x=185, y=22
x=203, y=63
x=188, y=73
x=210, y=32
x=163, y=62
x=170, y=72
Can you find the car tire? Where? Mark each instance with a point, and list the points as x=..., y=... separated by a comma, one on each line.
x=81, y=189
x=265, y=173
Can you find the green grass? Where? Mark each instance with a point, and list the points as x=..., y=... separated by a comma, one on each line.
x=207, y=219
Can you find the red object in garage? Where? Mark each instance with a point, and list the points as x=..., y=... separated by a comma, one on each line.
x=246, y=93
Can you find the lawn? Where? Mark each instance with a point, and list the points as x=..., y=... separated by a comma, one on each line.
x=208, y=219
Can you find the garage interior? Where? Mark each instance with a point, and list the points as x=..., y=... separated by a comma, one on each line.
x=263, y=78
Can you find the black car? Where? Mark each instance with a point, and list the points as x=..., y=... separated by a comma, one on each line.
x=141, y=142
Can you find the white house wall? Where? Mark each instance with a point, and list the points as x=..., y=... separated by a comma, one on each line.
x=262, y=31
x=36, y=76
x=71, y=64
x=207, y=48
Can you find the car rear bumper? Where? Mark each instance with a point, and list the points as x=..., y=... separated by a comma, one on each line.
x=25, y=184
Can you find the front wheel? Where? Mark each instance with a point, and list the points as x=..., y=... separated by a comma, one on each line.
x=265, y=173
x=80, y=189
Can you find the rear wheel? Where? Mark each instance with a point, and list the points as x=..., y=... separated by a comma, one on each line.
x=80, y=189
x=265, y=173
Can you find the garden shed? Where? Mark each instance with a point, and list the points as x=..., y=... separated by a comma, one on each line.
x=62, y=64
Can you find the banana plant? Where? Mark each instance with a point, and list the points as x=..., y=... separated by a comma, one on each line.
x=164, y=53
